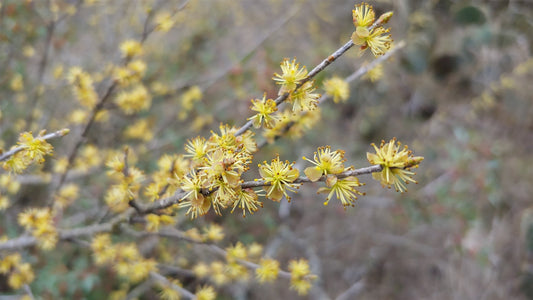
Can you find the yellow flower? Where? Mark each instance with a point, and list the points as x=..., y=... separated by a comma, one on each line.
x=164, y=21
x=265, y=109
x=206, y=293
x=300, y=276
x=34, y=148
x=196, y=148
x=378, y=43
x=395, y=164
x=363, y=15
x=82, y=87
x=17, y=84
x=304, y=99
x=268, y=270
x=135, y=100
x=238, y=251
x=247, y=200
x=130, y=48
x=280, y=176
x=375, y=73
x=326, y=162
x=214, y=232
x=344, y=189
x=337, y=88
x=142, y=130
x=292, y=75
x=191, y=96
x=201, y=270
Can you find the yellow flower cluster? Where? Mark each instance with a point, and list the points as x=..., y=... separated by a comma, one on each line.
x=301, y=277
x=369, y=34
x=66, y=195
x=292, y=75
x=33, y=151
x=17, y=83
x=131, y=48
x=337, y=88
x=268, y=270
x=153, y=221
x=124, y=257
x=135, y=100
x=18, y=274
x=167, y=290
x=396, y=162
x=141, y=130
x=82, y=87
x=215, y=173
x=188, y=99
x=129, y=181
x=40, y=222
x=292, y=125
x=132, y=73
x=329, y=163
x=8, y=185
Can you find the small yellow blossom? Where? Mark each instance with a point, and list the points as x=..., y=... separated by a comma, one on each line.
x=214, y=233
x=292, y=76
x=377, y=39
x=82, y=87
x=236, y=252
x=395, y=163
x=135, y=100
x=164, y=21
x=280, y=176
x=130, y=48
x=196, y=149
x=300, y=276
x=304, y=99
x=247, y=199
x=344, y=189
x=363, y=15
x=141, y=129
x=268, y=270
x=326, y=162
x=255, y=250
x=17, y=83
x=375, y=74
x=265, y=109
x=218, y=273
x=201, y=270
x=206, y=293
x=66, y=195
x=28, y=51
x=41, y=225
x=168, y=292
x=337, y=88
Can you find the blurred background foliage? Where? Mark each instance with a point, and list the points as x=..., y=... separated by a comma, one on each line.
x=458, y=94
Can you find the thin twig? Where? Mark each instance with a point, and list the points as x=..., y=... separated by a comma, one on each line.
x=179, y=289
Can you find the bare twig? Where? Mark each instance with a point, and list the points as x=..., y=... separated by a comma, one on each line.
x=183, y=292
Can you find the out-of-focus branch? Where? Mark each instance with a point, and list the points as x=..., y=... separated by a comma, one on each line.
x=183, y=292
x=28, y=241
